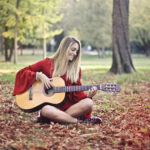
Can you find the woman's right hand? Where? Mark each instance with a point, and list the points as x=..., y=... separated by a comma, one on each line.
x=45, y=80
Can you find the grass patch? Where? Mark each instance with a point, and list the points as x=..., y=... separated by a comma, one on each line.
x=95, y=70
x=8, y=77
x=133, y=78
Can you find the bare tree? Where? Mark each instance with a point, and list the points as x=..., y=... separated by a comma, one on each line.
x=122, y=61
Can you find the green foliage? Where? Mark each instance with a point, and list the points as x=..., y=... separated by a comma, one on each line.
x=48, y=15
x=140, y=15
x=140, y=22
x=7, y=77
x=32, y=16
x=91, y=19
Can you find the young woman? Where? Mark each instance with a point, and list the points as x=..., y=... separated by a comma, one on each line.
x=65, y=64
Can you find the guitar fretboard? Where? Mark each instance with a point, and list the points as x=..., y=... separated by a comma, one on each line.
x=62, y=89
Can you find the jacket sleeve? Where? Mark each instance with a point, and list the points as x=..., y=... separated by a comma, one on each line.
x=79, y=95
x=26, y=77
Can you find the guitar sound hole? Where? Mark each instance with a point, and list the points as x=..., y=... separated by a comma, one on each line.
x=49, y=91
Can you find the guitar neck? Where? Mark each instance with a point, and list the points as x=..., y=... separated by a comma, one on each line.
x=62, y=89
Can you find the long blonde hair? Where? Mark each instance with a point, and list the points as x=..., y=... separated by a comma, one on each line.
x=61, y=62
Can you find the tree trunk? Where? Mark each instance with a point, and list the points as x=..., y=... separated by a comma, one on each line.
x=33, y=51
x=8, y=47
x=148, y=52
x=16, y=35
x=44, y=39
x=21, y=51
x=11, y=49
x=147, y=49
x=8, y=44
x=101, y=52
x=1, y=45
x=122, y=61
x=144, y=38
x=15, y=44
x=44, y=48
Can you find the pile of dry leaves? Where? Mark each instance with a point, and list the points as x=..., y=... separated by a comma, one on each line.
x=126, y=124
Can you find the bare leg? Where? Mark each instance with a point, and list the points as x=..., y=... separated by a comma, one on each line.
x=76, y=110
x=57, y=115
x=81, y=108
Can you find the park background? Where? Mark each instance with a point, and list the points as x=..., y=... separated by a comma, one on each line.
x=32, y=30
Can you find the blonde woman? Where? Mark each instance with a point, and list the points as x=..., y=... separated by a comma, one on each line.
x=65, y=63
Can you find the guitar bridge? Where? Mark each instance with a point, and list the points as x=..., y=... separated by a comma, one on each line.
x=30, y=92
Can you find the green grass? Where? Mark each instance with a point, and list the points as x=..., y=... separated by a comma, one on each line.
x=95, y=69
x=134, y=78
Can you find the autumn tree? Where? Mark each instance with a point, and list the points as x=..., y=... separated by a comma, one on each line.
x=21, y=20
x=122, y=61
x=48, y=16
x=15, y=21
x=6, y=43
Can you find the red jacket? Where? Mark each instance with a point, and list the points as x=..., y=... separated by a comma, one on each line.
x=27, y=76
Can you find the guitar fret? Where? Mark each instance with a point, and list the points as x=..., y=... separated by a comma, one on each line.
x=68, y=90
x=75, y=88
x=63, y=88
x=103, y=87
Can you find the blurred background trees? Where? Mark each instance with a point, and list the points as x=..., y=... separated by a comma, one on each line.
x=140, y=26
x=27, y=22
x=43, y=23
x=90, y=21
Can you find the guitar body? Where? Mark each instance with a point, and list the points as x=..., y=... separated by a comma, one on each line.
x=37, y=96
x=40, y=97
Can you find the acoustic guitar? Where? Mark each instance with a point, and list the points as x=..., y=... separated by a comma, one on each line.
x=37, y=95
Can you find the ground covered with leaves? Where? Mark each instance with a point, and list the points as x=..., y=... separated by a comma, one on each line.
x=126, y=123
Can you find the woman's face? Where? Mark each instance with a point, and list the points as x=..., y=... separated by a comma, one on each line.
x=73, y=51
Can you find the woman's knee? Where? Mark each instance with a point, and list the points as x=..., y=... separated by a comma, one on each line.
x=89, y=103
x=47, y=111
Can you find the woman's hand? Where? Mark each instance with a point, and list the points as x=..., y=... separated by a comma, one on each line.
x=45, y=80
x=92, y=92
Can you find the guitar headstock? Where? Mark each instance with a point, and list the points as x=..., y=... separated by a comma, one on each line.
x=110, y=87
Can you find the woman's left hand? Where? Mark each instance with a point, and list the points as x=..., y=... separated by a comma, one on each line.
x=92, y=92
